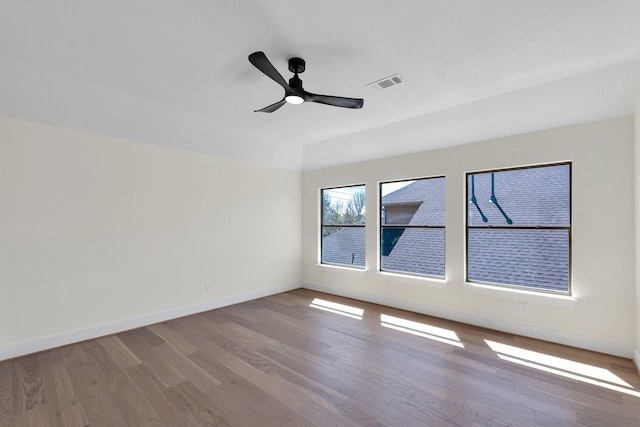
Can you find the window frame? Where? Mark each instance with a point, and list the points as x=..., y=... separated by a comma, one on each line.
x=569, y=291
x=382, y=226
x=323, y=225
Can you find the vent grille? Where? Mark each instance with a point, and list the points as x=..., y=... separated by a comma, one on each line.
x=386, y=82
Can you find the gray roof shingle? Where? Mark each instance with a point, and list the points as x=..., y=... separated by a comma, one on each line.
x=534, y=196
x=345, y=246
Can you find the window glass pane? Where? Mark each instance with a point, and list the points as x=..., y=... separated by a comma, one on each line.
x=413, y=250
x=407, y=209
x=535, y=258
x=344, y=205
x=343, y=245
x=343, y=226
x=538, y=196
x=417, y=202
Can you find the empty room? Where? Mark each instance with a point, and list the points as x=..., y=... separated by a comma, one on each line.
x=287, y=213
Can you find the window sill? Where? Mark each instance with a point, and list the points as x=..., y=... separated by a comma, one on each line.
x=532, y=297
x=412, y=280
x=334, y=268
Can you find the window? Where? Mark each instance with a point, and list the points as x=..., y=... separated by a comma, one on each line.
x=343, y=226
x=519, y=227
x=412, y=220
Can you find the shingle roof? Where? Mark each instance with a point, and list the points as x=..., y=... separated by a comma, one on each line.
x=529, y=197
x=533, y=196
x=429, y=193
x=533, y=258
x=419, y=250
x=345, y=246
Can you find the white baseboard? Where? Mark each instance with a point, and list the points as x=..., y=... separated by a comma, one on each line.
x=588, y=343
x=46, y=343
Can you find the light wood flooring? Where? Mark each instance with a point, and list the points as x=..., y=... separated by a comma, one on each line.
x=298, y=359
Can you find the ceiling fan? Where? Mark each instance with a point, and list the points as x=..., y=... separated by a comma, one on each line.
x=293, y=91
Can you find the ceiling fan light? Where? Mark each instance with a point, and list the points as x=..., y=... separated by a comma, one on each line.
x=294, y=99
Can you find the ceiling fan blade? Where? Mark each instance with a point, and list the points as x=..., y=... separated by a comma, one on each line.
x=336, y=101
x=260, y=61
x=271, y=108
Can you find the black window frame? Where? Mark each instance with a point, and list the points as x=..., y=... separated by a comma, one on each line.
x=569, y=291
x=382, y=227
x=323, y=225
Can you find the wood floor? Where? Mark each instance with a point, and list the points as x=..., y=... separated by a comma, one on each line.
x=303, y=358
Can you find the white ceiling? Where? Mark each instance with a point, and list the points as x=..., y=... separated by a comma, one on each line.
x=175, y=72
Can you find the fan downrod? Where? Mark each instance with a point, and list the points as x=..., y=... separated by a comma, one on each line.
x=296, y=65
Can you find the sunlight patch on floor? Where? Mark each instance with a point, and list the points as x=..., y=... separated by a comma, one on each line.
x=563, y=367
x=423, y=330
x=334, y=307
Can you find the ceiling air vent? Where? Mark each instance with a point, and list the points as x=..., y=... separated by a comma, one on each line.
x=386, y=82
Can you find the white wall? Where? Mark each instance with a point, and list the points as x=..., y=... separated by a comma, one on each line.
x=602, y=317
x=99, y=234
x=637, y=213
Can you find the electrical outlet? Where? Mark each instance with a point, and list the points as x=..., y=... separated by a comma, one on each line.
x=523, y=307
x=207, y=286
